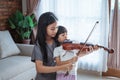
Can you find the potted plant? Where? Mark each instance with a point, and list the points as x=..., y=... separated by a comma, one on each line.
x=23, y=24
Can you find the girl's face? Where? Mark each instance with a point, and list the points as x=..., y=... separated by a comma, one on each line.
x=52, y=29
x=62, y=37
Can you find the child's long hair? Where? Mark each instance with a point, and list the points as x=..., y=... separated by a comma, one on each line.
x=44, y=20
x=61, y=29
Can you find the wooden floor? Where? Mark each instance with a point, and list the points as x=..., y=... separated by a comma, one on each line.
x=92, y=75
x=112, y=72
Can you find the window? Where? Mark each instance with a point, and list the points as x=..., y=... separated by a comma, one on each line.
x=79, y=17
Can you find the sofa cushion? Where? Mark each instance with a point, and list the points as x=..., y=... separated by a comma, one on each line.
x=7, y=45
x=13, y=66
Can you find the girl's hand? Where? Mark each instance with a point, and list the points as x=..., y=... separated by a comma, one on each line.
x=67, y=67
x=95, y=47
x=91, y=49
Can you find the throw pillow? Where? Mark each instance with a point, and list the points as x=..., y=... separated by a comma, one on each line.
x=7, y=45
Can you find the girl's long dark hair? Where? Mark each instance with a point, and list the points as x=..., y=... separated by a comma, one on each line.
x=61, y=29
x=44, y=20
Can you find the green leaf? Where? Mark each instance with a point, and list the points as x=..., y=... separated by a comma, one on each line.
x=11, y=24
x=22, y=24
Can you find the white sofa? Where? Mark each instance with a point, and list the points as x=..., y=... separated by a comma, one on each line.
x=18, y=65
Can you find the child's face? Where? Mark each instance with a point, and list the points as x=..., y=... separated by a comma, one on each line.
x=62, y=37
x=52, y=30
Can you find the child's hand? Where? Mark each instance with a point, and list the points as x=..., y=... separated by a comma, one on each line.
x=74, y=59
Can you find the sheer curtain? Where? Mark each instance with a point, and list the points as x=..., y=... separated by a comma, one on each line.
x=114, y=42
x=79, y=17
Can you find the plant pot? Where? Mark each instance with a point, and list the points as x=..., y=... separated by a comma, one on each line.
x=26, y=41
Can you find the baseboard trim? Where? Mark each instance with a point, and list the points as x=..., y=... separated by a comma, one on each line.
x=112, y=72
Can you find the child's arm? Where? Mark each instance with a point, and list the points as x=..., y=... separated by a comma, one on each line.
x=59, y=62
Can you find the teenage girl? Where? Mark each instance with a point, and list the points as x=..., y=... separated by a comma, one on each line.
x=43, y=50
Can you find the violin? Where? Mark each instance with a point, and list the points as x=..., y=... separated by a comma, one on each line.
x=83, y=47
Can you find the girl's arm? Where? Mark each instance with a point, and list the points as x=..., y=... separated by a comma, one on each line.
x=91, y=49
x=47, y=69
x=59, y=62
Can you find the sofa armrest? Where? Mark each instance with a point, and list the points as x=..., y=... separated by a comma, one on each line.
x=25, y=49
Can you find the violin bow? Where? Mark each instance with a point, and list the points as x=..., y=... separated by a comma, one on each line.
x=89, y=36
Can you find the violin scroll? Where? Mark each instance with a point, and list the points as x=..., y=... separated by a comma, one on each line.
x=107, y=49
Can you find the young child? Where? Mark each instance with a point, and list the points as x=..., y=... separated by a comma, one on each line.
x=64, y=56
x=67, y=56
